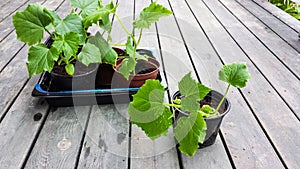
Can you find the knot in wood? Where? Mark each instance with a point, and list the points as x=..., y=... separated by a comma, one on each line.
x=64, y=144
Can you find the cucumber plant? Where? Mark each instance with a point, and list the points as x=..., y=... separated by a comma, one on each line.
x=147, y=17
x=149, y=111
x=70, y=38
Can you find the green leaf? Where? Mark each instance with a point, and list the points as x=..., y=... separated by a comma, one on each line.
x=86, y=6
x=236, y=74
x=128, y=66
x=129, y=47
x=70, y=69
x=189, y=88
x=72, y=23
x=141, y=57
x=189, y=131
x=89, y=54
x=147, y=109
x=108, y=54
x=68, y=44
x=40, y=59
x=151, y=14
x=203, y=91
x=31, y=23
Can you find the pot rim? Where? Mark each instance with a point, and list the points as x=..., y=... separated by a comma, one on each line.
x=156, y=65
x=214, y=117
x=75, y=76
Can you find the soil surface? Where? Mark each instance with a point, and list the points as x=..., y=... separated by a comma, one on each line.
x=79, y=68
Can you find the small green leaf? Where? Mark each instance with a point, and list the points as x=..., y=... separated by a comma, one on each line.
x=128, y=66
x=236, y=74
x=68, y=44
x=70, y=69
x=129, y=47
x=189, y=131
x=40, y=59
x=86, y=6
x=89, y=54
x=141, y=57
x=151, y=14
x=72, y=23
x=31, y=23
x=108, y=54
x=148, y=111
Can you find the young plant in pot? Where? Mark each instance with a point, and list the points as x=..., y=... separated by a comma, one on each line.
x=137, y=68
x=70, y=43
x=202, y=109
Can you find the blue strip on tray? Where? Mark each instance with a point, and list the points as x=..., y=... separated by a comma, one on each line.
x=39, y=88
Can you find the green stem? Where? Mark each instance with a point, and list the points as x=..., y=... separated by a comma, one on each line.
x=221, y=102
x=140, y=37
x=118, y=44
x=123, y=26
x=173, y=105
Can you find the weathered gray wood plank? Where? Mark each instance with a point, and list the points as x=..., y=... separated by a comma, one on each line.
x=209, y=62
x=14, y=76
x=272, y=69
x=273, y=23
x=284, y=52
x=9, y=7
x=258, y=92
x=106, y=140
x=19, y=128
x=280, y=14
x=58, y=143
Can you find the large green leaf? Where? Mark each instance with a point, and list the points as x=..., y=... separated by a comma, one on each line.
x=128, y=66
x=236, y=74
x=68, y=44
x=72, y=23
x=40, y=59
x=108, y=54
x=189, y=131
x=86, y=6
x=151, y=14
x=89, y=54
x=31, y=23
x=147, y=109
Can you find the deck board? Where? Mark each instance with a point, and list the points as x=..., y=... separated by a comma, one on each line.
x=260, y=131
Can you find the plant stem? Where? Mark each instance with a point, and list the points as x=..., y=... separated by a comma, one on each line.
x=140, y=37
x=173, y=105
x=221, y=102
x=118, y=44
x=123, y=26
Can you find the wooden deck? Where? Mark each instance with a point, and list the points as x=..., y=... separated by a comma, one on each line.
x=262, y=129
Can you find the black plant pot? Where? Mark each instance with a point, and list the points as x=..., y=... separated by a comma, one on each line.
x=213, y=123
x=80, y=81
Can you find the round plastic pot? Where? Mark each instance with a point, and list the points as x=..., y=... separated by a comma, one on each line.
x=83, y=81
x=213, y=123
x=136, y=80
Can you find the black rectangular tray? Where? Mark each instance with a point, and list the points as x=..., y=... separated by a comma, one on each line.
x=96, y=96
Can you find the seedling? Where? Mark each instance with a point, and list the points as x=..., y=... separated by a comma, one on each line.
x=149, y=112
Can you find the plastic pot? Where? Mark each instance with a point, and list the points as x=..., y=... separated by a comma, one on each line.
x=139, y=78
x=81, y=81
x=213, y=123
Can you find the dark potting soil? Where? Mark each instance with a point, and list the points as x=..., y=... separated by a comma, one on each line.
x=79, y=69
x=143, y=68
